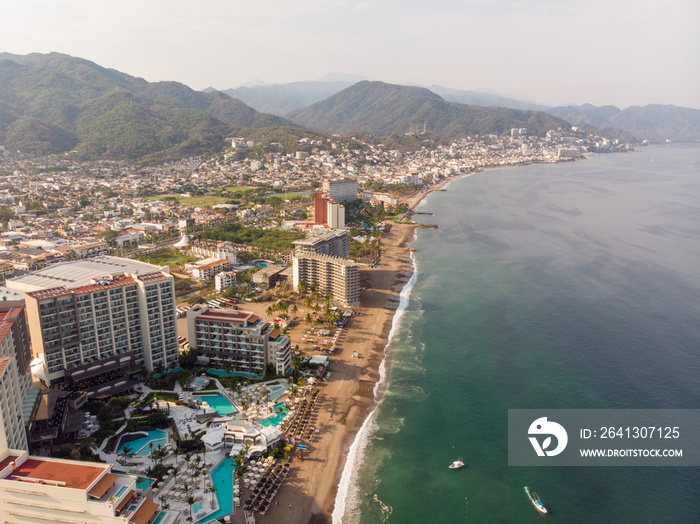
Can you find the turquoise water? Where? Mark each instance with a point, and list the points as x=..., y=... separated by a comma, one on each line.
x=146, y=450
x=160, y=375
x=222, y=373
x=160, y=517
x=275, y=395
x=546, y=286
x=220, y=403
x=197, y=507
x=144, y=482
x=222, y=476
x=140, y=445
x=121, y=490
x=277, y=419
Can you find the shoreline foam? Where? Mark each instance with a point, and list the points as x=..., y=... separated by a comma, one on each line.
x=347, y=487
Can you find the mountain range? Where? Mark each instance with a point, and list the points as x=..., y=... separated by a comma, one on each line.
x=656, y=123
x=386, y=109
x=51, y=103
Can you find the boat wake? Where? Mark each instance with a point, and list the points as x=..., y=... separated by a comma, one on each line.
x=348, y=490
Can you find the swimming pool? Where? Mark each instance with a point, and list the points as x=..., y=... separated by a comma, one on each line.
x=221, y=373
x=277, y=419
x=276, y=395
x=144, y=483
x=197, y=507
x=222, y=476
x=160, y=517
x=220, y=404
x=140, y=445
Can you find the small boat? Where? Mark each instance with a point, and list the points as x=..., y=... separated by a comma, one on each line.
x=457, y=464
x=535, y=499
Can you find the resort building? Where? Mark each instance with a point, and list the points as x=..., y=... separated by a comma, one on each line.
x=341, y=190
x=238, y=434
x=224, y=280
x=210, y=269
x=17, y=398
x=11, y=419
x=42, y=490
x=216, y=251
x=374, y=198
x=94, y=323
x=336, y=276
x=334, y=243
x=269, y=276
x=239, y=339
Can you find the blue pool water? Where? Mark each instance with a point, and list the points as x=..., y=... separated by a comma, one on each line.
x=160, y=517
x=140, y=445
x=278, y=418
x=146, y=450
x=197, y=507
x=222, y=476
x=144, y=482
x=121, y=490
x=160, y=375
x=221, y=373
x=220, y=403
x=276, y=395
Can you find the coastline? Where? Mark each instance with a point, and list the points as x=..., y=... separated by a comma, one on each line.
x=368, y=394
x=352, y=394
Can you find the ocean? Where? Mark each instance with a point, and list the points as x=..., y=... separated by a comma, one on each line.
x=563, y=286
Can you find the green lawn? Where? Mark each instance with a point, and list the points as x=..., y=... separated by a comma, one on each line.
x=166, y=257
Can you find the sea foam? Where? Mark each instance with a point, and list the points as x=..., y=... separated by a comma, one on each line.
x=348, y=489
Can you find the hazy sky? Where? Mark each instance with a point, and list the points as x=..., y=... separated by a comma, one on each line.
x=621, y=52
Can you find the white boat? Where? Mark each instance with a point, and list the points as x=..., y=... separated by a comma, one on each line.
x=535, y=499
x=457, y=464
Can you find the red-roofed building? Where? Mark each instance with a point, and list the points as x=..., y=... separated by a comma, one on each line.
x=44, y=489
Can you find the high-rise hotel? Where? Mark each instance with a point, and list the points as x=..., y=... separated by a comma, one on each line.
x=94, y=320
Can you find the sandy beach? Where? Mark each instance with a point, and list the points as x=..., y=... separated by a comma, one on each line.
x=348, y=397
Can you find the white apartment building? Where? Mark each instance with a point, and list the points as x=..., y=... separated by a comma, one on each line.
x=17, y=398
x=92, y=317
x=335, y=215
x=341, y=190
x=336, y=276
x=11, y=420
x=246, y=341
x=210, y=269
x=224, y=280
x=334, y=243
x=217, y=251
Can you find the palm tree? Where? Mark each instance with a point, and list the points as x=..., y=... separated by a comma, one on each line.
x=83, y=448
x=191, y=501
x=212, y=489
x=302, y=286
x=126, y=453
x=203, y=472
x=294, y=309
x=164, y=502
